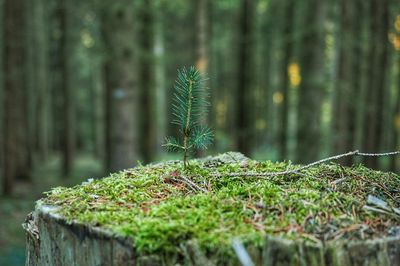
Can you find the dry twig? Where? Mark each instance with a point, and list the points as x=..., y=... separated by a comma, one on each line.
x=296, y=171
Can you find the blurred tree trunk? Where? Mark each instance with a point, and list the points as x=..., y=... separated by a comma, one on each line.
x=122, y=93
x=287, y=47
x=54, y=78
x=202, y=29
x=146, y=41
x=377, y=82
x=311, y=90
x=16, y=144
x=2, y=28
x=30, y=75
x=202, y=36
x=160, y=83
x=244, y=119
x=66, y=54
x=37, y=82
x=99, y=113
x=395, y=166
x=348, y=78
x=267, y=43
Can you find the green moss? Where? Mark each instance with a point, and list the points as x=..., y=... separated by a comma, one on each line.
x=149, y=205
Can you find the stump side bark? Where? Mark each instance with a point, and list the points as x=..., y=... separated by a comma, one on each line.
x=53, y=241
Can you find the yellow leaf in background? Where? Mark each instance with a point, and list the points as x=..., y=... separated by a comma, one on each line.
x=396, y=122
x=395, y=40
x=294, y=74
x=277, y=97
x=397, y=23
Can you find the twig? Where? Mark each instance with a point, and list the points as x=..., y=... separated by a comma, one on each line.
x=295, y=171
x=178, y=180
x=192, y=184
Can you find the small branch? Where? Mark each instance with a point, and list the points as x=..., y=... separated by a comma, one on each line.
x=187, y=180
x=296, y=171
x=189, y=183
x=173, y=145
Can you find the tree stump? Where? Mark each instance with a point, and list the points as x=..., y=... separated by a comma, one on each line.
x=54, y=238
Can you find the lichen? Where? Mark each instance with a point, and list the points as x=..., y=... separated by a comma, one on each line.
x=151, y=206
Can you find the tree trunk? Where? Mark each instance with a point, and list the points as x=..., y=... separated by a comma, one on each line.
x=377, y=81
x=147, y=81
x=311, y=90
x=283, y=111
x=38, y=76
x=266, y=113
x=395, y=165
x=347, y=86
x=202, y=36
x=16, y=144
x=68, y=138
x=202, y=18
x=55, y=67
x=99, y=113
x=121, y=85
x=2, y=28
x=244, y=125
x=160, y=83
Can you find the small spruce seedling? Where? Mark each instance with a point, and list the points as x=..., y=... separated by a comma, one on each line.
x=189, y=105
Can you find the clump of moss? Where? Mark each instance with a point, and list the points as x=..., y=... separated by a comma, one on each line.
x=152, y=206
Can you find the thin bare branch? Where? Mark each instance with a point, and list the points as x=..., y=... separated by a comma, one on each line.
x=297, y=170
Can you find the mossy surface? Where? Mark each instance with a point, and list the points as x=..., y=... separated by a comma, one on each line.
x=151, y=206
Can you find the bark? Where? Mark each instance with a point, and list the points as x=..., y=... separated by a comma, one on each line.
x=283, y=111
x=377, y=82
x=122, y=116
x=348, y=80
x=16, y=144
x=38, y=76
x=147, y=81
x=202, y=36
x=68, y=138
x=311, y=90
x=53, y=241
x=160, y=84
x=266, y=85
x=55, y=80
x=1, y=85
x=394, y=164
x=99, y=117
x=202, y=48
x=244, y=125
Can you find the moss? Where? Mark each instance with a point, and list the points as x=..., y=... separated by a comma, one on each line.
x=150, y=205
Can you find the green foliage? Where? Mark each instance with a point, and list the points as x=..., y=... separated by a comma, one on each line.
x=189, y=105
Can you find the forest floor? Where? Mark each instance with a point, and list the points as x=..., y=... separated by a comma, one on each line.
x=13, y=210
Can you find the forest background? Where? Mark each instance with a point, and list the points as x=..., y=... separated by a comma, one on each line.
x=86, y=86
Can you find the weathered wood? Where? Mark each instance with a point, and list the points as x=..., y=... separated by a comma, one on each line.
x=52, y=241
